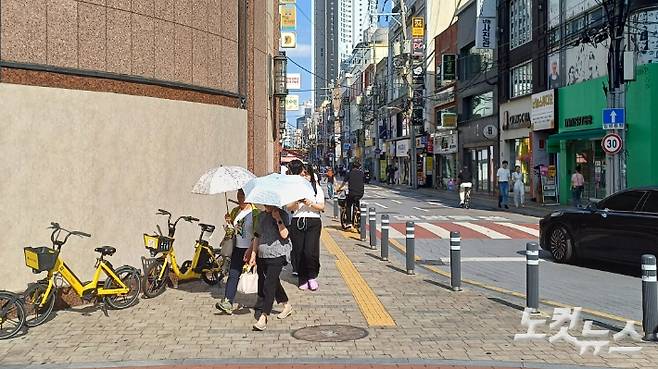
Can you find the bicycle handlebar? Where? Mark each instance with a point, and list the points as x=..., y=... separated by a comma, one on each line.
x=57, y=229
x=172, y=226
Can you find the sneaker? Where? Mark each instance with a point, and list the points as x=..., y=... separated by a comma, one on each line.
x=304, y=286
x=261, y=324
x=506, y=207
x=313, y=285
x=295, y=274
x=287, y=310
x=225, y=305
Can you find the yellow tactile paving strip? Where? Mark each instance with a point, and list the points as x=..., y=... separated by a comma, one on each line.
x=372, y=309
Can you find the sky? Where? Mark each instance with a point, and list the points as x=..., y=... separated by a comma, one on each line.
x=302, y=55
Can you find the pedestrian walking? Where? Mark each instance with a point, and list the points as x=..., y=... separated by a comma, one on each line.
x=355, y=181
x=242, y=218
x=330, y=183
x=577, y=187
x=519, y=187
x=305, y=229
x=270, y=252
x=502, y=177
x=396, y=173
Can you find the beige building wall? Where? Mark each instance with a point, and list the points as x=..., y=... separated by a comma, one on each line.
x=185, y=41
x=104, y=163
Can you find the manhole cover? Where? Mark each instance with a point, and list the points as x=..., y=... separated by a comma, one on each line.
x=330, y=333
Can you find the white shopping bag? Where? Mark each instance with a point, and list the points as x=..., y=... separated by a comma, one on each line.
x=248, y=283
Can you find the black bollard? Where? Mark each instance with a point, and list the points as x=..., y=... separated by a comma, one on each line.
x=384, y=247
x=364, y=220
x=411, y=262
x=336, y=212
x=649, y=298
x=455, y=261
x=372, y=218
x=532, y=276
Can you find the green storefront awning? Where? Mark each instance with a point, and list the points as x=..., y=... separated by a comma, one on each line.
x=553, y=142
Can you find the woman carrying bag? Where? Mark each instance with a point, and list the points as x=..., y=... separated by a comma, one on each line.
x=242, y=218
x=269, y=252
x=305, y=230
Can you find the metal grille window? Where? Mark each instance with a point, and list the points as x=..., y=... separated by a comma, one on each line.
x=520, y=15
x=521, y=80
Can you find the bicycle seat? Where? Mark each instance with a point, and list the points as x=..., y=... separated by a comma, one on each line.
x=106, y=250
x=207, y=227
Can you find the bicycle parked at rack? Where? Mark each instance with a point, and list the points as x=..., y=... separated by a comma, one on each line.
x=120, y=289
x=207, y=263
x=12, y=314
x=356, y=212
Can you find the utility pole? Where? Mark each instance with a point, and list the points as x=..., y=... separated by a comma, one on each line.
x=615, y=9
x=413, y=180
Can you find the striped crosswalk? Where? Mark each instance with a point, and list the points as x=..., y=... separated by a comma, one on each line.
x=468, y=230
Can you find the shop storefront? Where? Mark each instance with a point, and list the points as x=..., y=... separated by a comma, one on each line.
x=402, y=161
x=445, y=155
x=515, y=145
x=578, y=143
x=544, y=164
x=481, y=155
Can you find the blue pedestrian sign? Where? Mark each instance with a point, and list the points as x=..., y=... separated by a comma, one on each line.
x=614, y=118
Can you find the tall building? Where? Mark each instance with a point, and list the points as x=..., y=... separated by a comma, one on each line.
x=338, y=27
x=141, y=101
x=325, y=47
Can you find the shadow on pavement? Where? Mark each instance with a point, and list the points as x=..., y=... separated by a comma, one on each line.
x=438, y=284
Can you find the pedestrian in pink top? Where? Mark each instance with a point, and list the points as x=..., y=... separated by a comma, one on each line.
x=577, y=186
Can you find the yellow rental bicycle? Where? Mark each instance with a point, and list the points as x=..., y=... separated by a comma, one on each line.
x=120, y=290
x=207, y=263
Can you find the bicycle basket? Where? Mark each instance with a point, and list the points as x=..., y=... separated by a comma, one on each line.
x=40, y=259
x=158, y=243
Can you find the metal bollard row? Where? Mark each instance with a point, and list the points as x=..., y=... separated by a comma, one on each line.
x=411, y=252
x=455, y=261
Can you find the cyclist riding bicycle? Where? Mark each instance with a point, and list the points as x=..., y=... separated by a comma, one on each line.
x=355, y=182
x=465, y=184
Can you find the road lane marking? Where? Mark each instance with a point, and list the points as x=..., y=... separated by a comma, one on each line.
x=396, y=201
x=486, y=259
x=421, y=209
x=392, y=232
x=434, y=203
x=521, y=228
x=485, y=231
x=371, y=307
x=380, y=205
x=441, y=232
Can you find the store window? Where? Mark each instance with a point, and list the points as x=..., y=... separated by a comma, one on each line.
x=481, y=105
x=521, y=80
x=520, y=26
x=482, y=167
x=590, y=157
x=522, y=156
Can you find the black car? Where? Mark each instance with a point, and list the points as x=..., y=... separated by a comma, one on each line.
x=620, y=229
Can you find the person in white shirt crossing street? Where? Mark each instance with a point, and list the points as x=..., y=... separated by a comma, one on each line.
x=503, y=176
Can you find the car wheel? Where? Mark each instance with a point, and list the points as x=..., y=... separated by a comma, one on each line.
x=561, y=245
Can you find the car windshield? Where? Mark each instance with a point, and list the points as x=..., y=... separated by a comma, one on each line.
x=624, y=201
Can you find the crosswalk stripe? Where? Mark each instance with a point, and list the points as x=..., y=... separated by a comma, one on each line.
x=434, y=203
x=521, y=228
x=441, y=232
x=485, y=258
x=485, y=231
x=421, y=209
x=392, y=232
x=396, y=201
x=380, y=205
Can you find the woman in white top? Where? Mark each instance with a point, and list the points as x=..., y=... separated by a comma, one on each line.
x=241, y=219
x=305, y=229
x=519, y=187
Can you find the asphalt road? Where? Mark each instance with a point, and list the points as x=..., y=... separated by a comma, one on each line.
x=493, y=251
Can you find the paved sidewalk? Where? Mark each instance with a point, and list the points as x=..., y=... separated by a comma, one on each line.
x=431, y=326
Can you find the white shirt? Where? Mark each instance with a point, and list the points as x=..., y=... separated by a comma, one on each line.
x=517, y=177
x=308, y=212
x=503, y=175
x=245, y=230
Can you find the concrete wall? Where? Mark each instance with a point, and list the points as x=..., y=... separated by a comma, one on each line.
x=103, y=163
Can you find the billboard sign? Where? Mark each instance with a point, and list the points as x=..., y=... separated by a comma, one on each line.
x=542, y=114
x=288, y=40
x=417, y=27
x=288, y=14
x=292, y=103
x=294, y=81
x=485, y=24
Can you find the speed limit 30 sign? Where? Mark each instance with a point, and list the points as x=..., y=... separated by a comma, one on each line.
x=611, y=143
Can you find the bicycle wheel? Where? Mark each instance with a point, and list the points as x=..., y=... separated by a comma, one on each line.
x=153, y=285
x=12, y=314
x=343, y=218
x=357, y=219
x=34, y=313
x=130, y=277
x=214, y=271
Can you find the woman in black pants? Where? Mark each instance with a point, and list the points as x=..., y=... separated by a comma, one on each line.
x=305, y=229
